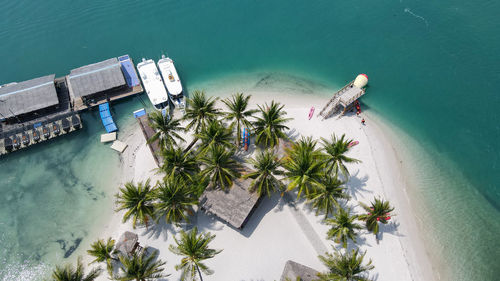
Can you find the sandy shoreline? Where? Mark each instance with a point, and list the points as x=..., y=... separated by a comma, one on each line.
x=277, y=232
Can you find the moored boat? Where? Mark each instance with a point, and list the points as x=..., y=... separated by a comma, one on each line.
x=7, y=143
x=172, y=81
x=153, y=84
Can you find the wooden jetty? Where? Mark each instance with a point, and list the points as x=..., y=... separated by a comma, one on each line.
x=148, y=132
x=53, y=104
x=101, y=82
x=344, y=98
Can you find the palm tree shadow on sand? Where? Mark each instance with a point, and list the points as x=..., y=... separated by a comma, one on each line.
x=390, y=228
x=356, y=185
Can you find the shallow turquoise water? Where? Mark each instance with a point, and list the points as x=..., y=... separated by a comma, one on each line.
x=432, y=68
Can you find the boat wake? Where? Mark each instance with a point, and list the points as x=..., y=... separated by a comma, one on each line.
x=407, y=10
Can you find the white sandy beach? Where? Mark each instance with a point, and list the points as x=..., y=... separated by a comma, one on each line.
x=277, y=231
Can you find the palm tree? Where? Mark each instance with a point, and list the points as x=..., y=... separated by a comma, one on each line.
x=137, y=200
x=348, y=267
x=266, y=167
x=326, y=197
x=304, y=166
x=68, y=273
x=141, y=267
x=166, y=130
x=335, y=154
x=103, y=251
x=199, y=111
x=378, y=211
x=238, y=112
x=215, y=134
x=178, y=163
x=175, y=200
x=269, y=126
x=220, y=167
x=343, y=227
x=194, y=249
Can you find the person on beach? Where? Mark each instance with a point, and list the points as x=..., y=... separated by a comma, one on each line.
x=363, y=121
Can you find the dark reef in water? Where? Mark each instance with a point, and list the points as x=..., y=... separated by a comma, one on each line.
x=71, y=249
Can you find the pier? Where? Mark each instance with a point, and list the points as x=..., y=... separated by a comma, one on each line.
x=343, y=99
x=46, y=107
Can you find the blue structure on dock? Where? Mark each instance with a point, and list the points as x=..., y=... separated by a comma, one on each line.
x=129, y=71
x=106, y=118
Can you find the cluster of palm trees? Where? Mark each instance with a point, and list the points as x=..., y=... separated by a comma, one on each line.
x=316, y=172
x=192, y=246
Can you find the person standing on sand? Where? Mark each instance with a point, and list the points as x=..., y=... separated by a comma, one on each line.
x=363, y=121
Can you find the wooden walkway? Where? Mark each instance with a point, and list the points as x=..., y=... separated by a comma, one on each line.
x=80, y=105
x=148, y=132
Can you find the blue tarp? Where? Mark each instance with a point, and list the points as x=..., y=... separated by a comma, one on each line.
x=106, y=118
x=128, y=71
x=139, y=112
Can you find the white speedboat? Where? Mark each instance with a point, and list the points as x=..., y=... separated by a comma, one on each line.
x=153, y=84
x=172, y=82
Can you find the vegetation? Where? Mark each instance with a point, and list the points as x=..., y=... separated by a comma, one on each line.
x=304, y=168
x=238, y=113
x=179, y=164
x=215, y=134
x=137, y=200
x=378, y=212
x=266, y=167
x=166, y=130
x=103, y=251
x=175, y=200
x=343, y=227
x=335, y=154
x=348, y=267
x=269, y=127
x=141, y=267
x=199, y=111
x=68, y=273
x=194, y=249
x=220, y=167
x=325, y=198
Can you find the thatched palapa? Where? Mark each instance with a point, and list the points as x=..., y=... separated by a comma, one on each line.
x=233, y=206
x=295, y=270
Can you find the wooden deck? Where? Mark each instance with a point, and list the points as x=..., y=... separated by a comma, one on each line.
x=29, y=131
x=79, y=105
x=148, y=132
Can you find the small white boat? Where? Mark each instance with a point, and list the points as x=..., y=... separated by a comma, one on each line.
x=172, y=82
x=153, y=84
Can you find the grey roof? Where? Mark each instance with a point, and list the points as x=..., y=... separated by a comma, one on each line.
x=233, y=206
x=97, y=77
x=28, y=96
x=293, y=270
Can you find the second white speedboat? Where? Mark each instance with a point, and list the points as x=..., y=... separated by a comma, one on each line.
x=153, y=84
x=172, y=82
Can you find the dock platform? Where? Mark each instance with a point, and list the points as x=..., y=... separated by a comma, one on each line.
x=32, y=133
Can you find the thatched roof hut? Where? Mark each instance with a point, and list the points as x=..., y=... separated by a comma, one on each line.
x=233, y=206
x=295, y=270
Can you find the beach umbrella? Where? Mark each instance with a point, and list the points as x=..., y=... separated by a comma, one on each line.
x=127, y=242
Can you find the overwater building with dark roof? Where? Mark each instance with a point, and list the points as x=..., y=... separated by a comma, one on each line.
x=46, y=107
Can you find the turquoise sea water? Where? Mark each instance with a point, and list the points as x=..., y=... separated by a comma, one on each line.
x=432, y=67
